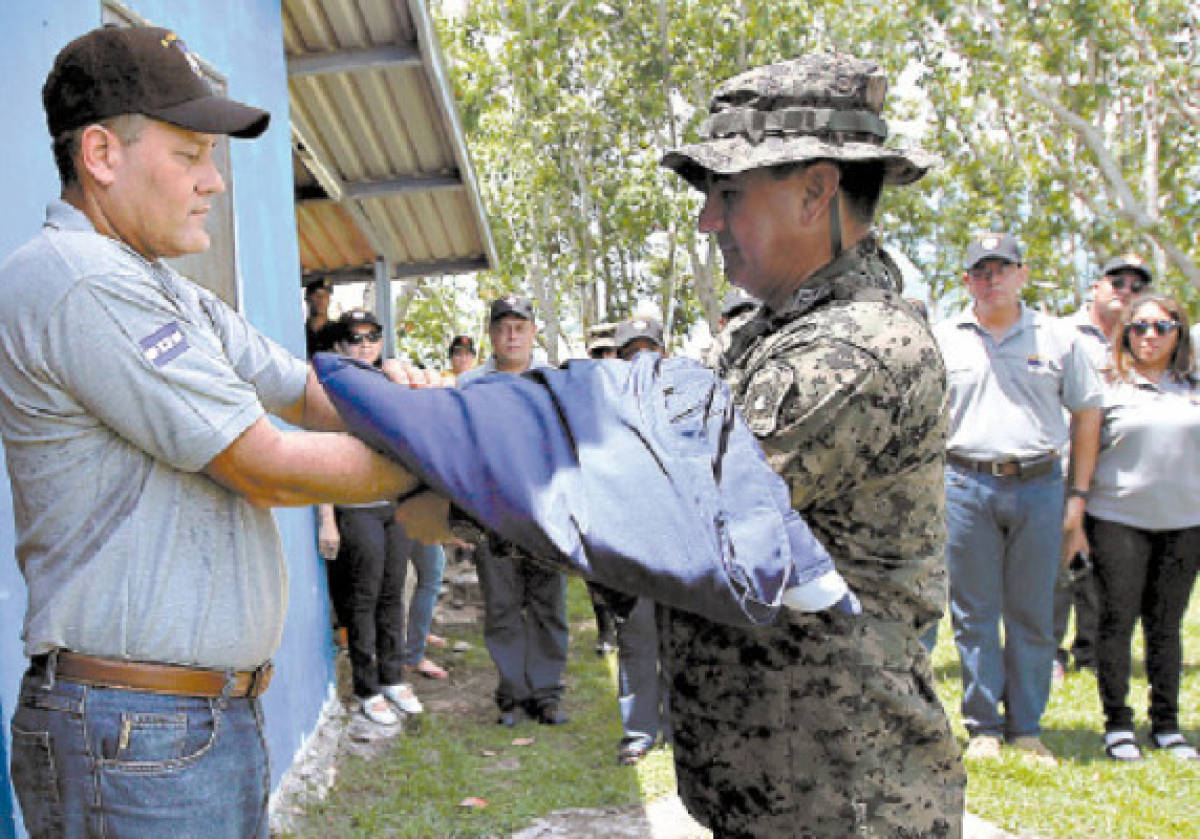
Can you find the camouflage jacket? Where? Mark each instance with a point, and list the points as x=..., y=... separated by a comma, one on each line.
x=846, y=391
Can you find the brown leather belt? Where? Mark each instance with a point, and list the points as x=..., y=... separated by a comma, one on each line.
x=172, y=679
x=1009, y=468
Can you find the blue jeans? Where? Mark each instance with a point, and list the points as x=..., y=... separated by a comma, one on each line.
x=643, y=710
x=90, y=761
x=430, y=563
x=1003, y=539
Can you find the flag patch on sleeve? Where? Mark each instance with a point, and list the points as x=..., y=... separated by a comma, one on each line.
x=164, y=345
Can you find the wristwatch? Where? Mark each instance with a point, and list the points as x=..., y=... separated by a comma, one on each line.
x=1076, y=492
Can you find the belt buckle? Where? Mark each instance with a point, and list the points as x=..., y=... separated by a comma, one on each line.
x=259, y=678
x=997, y=468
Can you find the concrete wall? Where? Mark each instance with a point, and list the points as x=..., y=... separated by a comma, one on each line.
x=242, y=39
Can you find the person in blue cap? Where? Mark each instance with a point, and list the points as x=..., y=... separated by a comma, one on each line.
x=525, y=602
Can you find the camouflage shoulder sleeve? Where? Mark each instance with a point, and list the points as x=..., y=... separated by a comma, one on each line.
x=822, y=412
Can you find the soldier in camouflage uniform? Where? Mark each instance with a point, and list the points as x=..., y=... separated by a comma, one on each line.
x=822, y=724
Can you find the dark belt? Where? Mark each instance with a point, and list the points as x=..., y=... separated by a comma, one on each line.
x=1009, y=468
x=172, y=679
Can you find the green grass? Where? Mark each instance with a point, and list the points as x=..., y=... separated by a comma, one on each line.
x=1087, y=794
x=415, y=788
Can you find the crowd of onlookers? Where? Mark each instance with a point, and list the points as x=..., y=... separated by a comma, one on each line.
x=1072, y=483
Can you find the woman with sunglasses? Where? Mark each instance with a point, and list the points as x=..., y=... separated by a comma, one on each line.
x=371, y=552
x=1143, y=517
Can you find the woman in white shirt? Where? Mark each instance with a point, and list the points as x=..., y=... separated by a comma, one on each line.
x=1143, y=518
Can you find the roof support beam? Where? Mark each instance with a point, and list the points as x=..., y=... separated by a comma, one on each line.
x=432, y=268
x=345, y=61
x=409, y=184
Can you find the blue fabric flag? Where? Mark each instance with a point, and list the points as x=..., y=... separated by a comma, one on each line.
x=640, y=475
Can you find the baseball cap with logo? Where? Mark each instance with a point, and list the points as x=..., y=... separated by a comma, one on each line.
x=1128, y=262
x=817, y=107
x=462, y=342
x=114, y=70
x=993, y=246
x=639, y=327
x=512, y=304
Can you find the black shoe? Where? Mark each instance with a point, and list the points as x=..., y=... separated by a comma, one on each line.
x=507, y=719
x=549, y=714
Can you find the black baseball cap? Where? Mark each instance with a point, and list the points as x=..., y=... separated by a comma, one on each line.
x=511, y=305
x=993, y=246
x=1128, y=262
x=462, y=341
x=357, y=317
x=639, y=327
x=117, y=70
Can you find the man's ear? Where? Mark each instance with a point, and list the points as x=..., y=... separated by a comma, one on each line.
x=99, y=154
x=821, y=182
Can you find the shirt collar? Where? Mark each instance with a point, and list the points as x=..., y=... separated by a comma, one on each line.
x=63, y=216
x=839, y=278
x=967, y=318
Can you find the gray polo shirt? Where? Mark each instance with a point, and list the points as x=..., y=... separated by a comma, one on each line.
x=1094, y=340
x=1148, y=471
x=1007, y=397
x=122, y=380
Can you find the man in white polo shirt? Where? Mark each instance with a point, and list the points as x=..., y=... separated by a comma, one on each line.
x=1011, y=372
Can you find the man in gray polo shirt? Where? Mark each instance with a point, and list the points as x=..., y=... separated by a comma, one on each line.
x=1011, y=372
x=143, y=465
x=1122, y=278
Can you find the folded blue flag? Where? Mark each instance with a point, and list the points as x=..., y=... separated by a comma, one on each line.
x=640, y=475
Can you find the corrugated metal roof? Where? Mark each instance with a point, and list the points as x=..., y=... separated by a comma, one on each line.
x=381, y=165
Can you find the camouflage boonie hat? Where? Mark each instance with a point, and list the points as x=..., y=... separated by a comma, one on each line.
x=811, y=108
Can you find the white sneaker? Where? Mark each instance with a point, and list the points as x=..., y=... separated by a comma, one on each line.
x=377, y=710
x=402, y=697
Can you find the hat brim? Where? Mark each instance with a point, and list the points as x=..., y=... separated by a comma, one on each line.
x=734, y=155
x=216, y=115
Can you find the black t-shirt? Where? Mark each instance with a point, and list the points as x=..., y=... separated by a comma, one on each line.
x=320, y=340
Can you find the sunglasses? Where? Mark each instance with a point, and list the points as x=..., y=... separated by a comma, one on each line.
x=355, y=338
x=1160, y=327
x=987, y=272
x=1134, y=285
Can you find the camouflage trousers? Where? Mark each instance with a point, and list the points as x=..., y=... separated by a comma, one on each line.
x=817, y=726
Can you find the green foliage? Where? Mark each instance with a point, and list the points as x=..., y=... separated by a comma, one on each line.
x=569, y=104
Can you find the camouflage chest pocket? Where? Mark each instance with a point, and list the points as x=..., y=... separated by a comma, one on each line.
x=765, y=395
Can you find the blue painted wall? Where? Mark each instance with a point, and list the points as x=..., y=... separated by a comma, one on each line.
x=243, y=40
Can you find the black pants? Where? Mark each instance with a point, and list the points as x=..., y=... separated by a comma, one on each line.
x=1146, y=574
x=375, y=552
x=524, y=625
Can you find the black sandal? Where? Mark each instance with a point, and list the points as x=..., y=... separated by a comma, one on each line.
x=1176, y=744
x=1122, y=738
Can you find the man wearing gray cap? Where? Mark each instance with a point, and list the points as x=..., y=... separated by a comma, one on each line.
x=822, y=724
x=525, y=602
x=1013, y=374
x=143, y=465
